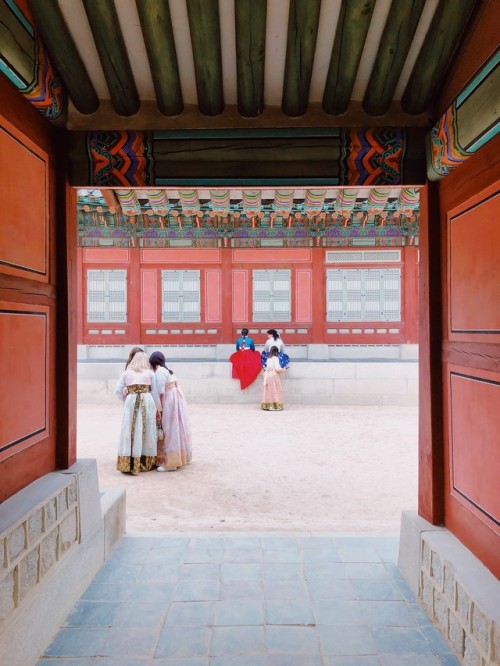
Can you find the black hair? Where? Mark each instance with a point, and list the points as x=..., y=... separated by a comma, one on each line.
x=244, y=332
x=274, y=333
x=274, y=351
x=158, y=359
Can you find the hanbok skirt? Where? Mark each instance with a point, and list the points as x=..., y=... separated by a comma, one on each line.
x=137, y=444
x=283, y=359
x=176, y=449
x=246, y=366
x=272, y=392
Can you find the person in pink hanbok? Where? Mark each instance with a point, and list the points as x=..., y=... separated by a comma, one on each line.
x=272, y=392
x=174, y=451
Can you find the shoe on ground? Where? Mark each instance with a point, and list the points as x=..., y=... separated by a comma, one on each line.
x=166, y=469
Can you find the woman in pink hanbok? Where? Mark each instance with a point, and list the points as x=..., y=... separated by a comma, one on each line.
x=174, y=450
x=272, y=393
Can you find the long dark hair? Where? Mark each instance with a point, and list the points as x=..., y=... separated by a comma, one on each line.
x=158, y=359
x=274, y=333
x=274, y=351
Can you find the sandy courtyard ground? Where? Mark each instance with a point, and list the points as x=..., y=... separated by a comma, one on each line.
x=304, y=469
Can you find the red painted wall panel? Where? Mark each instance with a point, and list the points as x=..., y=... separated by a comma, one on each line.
x=26, y=396
x=271, y=256
x=474, y=426
x=183, y=256
x=107, y=255
x=240, y=297
x=24, y=228
x=304, y=296
x=474, y=270
x=213, y=311
x=149, y=296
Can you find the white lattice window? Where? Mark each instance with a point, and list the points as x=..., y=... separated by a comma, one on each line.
x=364, y=294
x=106, y=296
x=271, y=295
x=181, y=296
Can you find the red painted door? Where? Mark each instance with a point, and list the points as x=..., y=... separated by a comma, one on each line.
x=36, y=419
x=470, y=210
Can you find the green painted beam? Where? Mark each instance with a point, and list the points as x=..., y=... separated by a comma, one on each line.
x=397, y=37
x=250, y=18
x=59, y=43
x=110, y=45
x=303, y=20
x=156, y=25
x=435, y=56
x=204, y=27
x=352, y=28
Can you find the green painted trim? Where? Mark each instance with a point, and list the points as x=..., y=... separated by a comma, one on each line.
x=488, y=68
x=295, y=133
x=254, y=182
x=20, y=16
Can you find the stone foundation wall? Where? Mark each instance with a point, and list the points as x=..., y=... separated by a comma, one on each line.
x=54, y=536
x=36, y=542
x=458, y=593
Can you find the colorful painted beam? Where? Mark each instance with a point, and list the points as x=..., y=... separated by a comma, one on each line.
x=26, y=63
x=469, y=123
x=361, y=156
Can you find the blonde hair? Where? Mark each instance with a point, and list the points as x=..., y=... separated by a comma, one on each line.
x=139, y=362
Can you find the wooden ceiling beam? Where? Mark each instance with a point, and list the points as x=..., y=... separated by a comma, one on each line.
x=60, y=45
x=436, y=54
x=395, y=44
x=352, y=28
x=250, y=19
x=204, y=26
x=110, y=45
x=303, y=21
x=156, y=25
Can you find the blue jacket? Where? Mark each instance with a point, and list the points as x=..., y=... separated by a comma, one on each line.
x=249, y=343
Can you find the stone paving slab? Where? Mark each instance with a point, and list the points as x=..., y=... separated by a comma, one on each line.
x=265, y=599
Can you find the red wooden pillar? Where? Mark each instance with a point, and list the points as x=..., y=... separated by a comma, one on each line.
x=410, y=296
x=67, y=322
x=80, y=302
x=318, y=295
x=430, y=480
x=134, y=296
x=227, y=295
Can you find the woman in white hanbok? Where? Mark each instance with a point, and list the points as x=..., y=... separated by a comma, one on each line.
x=174, y=450
x=137, y=388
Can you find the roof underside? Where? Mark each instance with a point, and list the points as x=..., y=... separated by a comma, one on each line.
x=154, y=64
